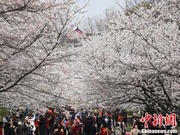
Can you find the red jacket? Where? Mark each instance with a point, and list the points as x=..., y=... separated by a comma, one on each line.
x=48, y=123
x=1, y=132
x=104, y=131
x=36, y=123
x=76, y=130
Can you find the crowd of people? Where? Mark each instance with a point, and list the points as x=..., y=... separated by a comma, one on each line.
x=69, y=121
x=64, y=122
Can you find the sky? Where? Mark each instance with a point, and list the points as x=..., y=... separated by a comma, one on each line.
x=97, y=7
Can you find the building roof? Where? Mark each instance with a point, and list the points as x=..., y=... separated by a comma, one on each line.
x=78, y=30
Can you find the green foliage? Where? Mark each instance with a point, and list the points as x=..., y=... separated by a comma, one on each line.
x=129, y=127
x=129, y=112
x=3, y=112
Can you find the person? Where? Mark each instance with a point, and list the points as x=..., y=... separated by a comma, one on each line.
x=19, y=130
x=105, y=130
x=76, y=129
x=51, y=122
x=61, y=129
x=137, y=122
x=122, y=126
x=28, y=128
x=107, y=121
x=5, y=120
x=36, y=124
x=58, y=130
x=7, y=127
x=69, y=126
x=118, y=130
x=42, y=125
x=89, y=126
x=135, y=130
x=1, y=128
x=48, y=125
x=99, y=121
x=31, y=120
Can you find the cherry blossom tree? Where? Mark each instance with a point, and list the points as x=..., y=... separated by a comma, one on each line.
x=31, y=45
x=137, y=60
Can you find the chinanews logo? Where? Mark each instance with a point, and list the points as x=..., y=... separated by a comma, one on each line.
x=156, y=120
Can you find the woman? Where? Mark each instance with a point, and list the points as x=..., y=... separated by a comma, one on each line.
x=105, y=131
x=135, y=130
x=118, y=130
